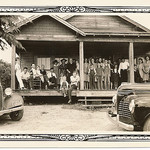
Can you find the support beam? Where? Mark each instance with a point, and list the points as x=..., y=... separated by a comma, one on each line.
x=13, y=67
x=81, y=59
x=131, y=62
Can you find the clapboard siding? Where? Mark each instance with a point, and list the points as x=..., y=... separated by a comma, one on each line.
x=104, y=23
x=27, y=58
x=45, y=25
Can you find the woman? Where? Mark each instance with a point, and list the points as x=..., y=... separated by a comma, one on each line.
x=56, y=69
x=146, y=67
x=140, y=69
x=86, y=77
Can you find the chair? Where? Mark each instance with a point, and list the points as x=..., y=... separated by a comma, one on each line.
x=37, y=83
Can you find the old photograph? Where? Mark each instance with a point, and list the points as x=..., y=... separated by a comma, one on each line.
x=75, y=73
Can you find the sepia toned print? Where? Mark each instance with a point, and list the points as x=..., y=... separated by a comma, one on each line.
x=75, y=73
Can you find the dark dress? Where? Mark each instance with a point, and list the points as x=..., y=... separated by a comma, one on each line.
x=63, y=69
x=71, y=68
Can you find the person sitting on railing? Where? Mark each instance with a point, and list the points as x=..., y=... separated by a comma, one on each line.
x=63, y=84
x=52, y=79
x=25, y=76
x=74, y=85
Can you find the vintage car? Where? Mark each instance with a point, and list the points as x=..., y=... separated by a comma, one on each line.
x=11, y=104
x=131, y=109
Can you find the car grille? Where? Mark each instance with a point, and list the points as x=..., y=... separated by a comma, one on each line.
x=124, y=109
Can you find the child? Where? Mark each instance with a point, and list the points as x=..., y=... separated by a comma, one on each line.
x=63, y=84
x=92, y=74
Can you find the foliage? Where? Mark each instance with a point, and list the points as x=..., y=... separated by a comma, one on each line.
x=8, y=26
x=5, y=74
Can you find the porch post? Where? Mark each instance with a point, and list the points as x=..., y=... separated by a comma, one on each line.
x=131, y=62
x=13, y=57
x=81, y=59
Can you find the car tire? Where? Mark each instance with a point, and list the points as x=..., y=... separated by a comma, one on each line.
x=146, y=126
x=16, y=115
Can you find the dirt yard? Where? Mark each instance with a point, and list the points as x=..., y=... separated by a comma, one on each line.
x=60, y=118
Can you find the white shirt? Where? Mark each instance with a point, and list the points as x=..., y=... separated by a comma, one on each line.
x=51, y=74
x=123, y=66
x=25, y=76
x=74, y=80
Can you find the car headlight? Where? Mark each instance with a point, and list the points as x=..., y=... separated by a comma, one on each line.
x=8, y=91
x=114, y=98
x=132, y=106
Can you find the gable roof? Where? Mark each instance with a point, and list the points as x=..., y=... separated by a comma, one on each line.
x=85, y=25
x=57, y=18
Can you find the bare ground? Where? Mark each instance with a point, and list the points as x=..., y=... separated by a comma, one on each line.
x=60, y=118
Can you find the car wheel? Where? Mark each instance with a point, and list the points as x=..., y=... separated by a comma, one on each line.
x=146, y=126
x=17, y=115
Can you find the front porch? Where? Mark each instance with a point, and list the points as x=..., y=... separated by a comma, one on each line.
x=80, y=93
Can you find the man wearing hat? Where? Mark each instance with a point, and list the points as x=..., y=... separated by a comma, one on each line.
x=63, y=67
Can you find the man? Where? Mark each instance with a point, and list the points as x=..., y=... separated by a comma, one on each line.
x=32, y=75
x=63, y=67
x=25, y=76
x=74, y=79
x=52, y=79
x=123, y=68
x=46, y=81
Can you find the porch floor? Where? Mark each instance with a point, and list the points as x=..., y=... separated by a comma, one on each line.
x=81, y=93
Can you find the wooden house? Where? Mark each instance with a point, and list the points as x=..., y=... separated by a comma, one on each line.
x=47, y=37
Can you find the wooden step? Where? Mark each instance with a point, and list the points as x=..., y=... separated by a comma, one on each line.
x=95, y=100
x=100, y=105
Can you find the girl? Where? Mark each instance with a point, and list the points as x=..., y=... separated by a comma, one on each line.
x=63, y=84
x=140, y=69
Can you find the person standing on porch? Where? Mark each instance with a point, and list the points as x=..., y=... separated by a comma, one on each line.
x=56, y=70
x=18, y=73
x=86, y=77
x=99, y=71
x=146, y=69
x=32, y=75
x=71, y=66
x=140, y=69
x=74, y=85
x=107, y=73
x=123, y=70
x=63, y=67
x=92, y=74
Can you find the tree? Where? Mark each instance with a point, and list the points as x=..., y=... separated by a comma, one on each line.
x=8, y=22
x=8, y=27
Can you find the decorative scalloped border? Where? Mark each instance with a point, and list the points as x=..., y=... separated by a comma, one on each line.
x=76, y=137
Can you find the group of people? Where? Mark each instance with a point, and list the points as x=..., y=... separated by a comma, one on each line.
x=142, y=70
x=102, y=74
x=64, y=77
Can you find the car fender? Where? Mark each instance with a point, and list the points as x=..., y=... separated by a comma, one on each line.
x=13, y=101
x=142, y=102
